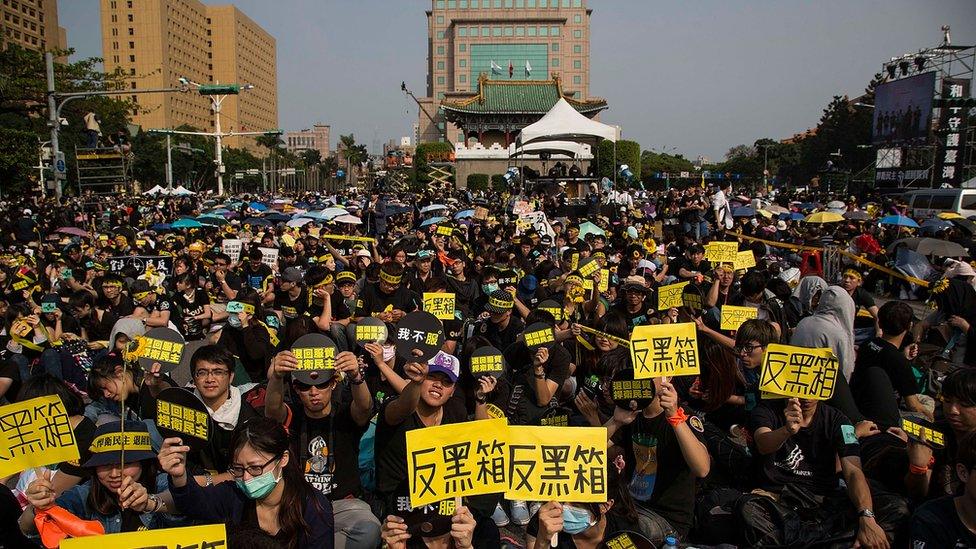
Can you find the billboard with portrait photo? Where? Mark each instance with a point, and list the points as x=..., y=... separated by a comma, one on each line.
x=903, y=110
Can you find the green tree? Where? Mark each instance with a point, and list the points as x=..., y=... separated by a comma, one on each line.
x=625, y=152
x=311, y=157
x=654, y=162
x=18, y=152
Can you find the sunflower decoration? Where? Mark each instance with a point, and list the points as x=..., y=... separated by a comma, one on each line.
x=135, y=349
x=937, y=288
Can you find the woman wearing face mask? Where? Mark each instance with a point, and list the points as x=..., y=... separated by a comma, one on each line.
x=583, y=524
x=247, y=337
x=269, y=490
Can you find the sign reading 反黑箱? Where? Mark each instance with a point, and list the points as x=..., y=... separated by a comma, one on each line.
x=211, y=536
x=664, y=350
x=670, y=296
x=526, y=463
x=733, y=317
x=800, y=372
x=35, y=432
x=721, y=252
x=441, y=305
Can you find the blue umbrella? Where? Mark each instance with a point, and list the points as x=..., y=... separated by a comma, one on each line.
x=212, y=220
x=316, y=214
x=186, y=223
x=253, y=221
x=257, y=206
x=433, y=221
x=159, y=227
x=792, y=216
x=433, y=208
x=899, y=220
x=932, y=226
x=744, y=211
x=277, y=217
x=465, y=213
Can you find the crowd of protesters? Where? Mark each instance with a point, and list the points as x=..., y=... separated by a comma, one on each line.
x=707, y=461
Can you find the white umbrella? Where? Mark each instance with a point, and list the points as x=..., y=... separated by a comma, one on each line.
x=350, y=219
x=155, y=190
x=299, y=221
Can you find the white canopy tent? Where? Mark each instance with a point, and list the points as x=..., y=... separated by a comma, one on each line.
x=182, y=191
x=571, y=149
x=564, y=123
x=155, y=191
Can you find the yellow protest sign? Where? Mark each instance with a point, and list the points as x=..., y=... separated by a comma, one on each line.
x=557, y=463
x=733, y=317
x=539, y=337
x=604, y=280
x=721, y=252
x=744, y=260
x=182, y=419
x=160, y=350
x=368, y=333
x=441, y=305
x=587, y=269
x=288, y=240
x=211, y=536
x=315, y=358
x=664, y=350
x=574, y=261
x=445, y=230
x=670, y=296
x=33, y=433
x=485, y=364
x=453, y=460
x=918, y=431
x=800, y=372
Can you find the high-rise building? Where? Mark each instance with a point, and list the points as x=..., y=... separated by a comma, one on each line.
x=505, y=40
x=32, y=24
x=155, y=42
x=316, y=138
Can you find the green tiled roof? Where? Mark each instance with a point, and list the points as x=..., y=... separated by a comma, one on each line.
x=519, y=97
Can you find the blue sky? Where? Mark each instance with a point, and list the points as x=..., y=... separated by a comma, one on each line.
x=695, y=76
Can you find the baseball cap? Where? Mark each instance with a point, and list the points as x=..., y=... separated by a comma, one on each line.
x=363, y=253
x=292, y=274
x=346, y=277
x=499, y=301
x=447, y=364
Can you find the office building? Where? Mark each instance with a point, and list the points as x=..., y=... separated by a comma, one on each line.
x=155, y=42
x=510, y=40
x=32, y=24
x=315, y=138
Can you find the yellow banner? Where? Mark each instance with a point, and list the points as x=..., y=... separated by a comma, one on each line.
x=345, y=237
x=441, y=305
x=604, y=280
x=33, y=433
x=800, y=372
x=463, y=459
x=670, y=296
x=557, y=464
x=733, y=317
x=664, y=350
x=211, y=536
x=744, y=260
x=934, y=437
x=721, y=252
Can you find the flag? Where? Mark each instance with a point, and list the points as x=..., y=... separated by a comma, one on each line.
x=511, y=69
x=495, y=69
x=528, y=68
x=703, y=180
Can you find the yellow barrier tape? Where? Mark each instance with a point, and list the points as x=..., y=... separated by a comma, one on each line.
x=774, y=243
x=885, y=270
x=598, y=333
x=347, y=237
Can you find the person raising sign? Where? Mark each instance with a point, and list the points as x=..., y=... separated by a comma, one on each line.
x=269, y=489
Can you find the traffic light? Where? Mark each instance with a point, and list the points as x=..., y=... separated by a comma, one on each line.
x=220, y=89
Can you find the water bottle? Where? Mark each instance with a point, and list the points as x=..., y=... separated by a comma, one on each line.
x=670, y=542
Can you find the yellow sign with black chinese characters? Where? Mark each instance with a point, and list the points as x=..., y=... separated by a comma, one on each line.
x=917, y=431
x=539, y=337
x=800, y=372
x=486, y=364
x=670, y=296
x=33, y=433
x=211, y=536
x=634, y=389
x=604, y=280
x=162, y=351
x=665, y=350
x=445, y=230
x=463, y=459
x=367, y=334
x=733, y=317
x=588, y=268
x=182, y=419
x=721, y=252
x=744, y=260
x=441, y=305
x=315, y=358
x=557, y=464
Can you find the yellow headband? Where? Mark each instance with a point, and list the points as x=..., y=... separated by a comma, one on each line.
x=388, y=278
x=114, y=442
x=140, y=296
x=574, y=279
x=853, y=273
x=325, y=281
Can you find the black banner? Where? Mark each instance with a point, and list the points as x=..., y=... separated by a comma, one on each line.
x=162, y=264
x=953, y=121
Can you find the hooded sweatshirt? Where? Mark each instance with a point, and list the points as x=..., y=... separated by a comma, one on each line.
x=806, y=289
x=831, y=325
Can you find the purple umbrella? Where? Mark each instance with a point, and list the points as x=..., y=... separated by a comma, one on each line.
x=74, y=231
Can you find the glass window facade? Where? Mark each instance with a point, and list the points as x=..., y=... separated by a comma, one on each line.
x=483, y=54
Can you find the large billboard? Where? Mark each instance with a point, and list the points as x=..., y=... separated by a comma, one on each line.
x=903, y=110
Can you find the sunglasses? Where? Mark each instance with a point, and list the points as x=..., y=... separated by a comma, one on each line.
x=306, y=387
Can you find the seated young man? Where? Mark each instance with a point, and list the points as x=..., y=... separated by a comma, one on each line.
x=950, y=521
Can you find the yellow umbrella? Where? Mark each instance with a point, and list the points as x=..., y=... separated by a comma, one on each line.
x=764, y=213
x=824, y=217
x=950, y=215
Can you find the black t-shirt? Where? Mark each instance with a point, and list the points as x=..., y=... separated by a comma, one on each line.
x=9, y=370
x=704, y=267
x=291, y=308
x=500, y=339
x=125, y=307
x=233, y=282
x=25, y=230
x=525, y=409
x=391, y=446
x=862, y=298
x=373, y=300
x=255, y=278
x=808, y=458
x=643, y=315
x=191, y=307
x=659, y=478
x=329, y=449
x=880, y=371
x=164, y=303
x=84, y=434
x=937, y=525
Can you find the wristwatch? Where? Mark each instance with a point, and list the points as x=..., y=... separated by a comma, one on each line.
x=865, y=513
